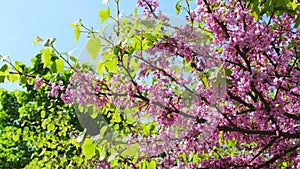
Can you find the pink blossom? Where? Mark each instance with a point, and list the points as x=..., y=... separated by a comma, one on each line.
x=38, y=83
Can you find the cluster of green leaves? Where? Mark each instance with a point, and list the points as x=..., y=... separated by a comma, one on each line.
x=35, y=129
x=274, y=8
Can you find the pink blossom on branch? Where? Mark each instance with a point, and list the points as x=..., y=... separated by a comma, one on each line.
x=38, y=83
x=258, y=109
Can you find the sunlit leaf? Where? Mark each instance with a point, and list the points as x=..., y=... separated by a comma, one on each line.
x=73, y=59
x=93, y=47
x=100, y=67
x=30, y=81
x=77, y=32
x=102, y=131
x=46, y=56
x=292, y=4
x=36, y=40
x=151, y=165
x=205, y=82
x=13, y=77
x=116, y=117
x=136, y=43
x=178, y=7
x=43, y=114
x=112, y=65
x=51, y=127
x=16, y=137
x=59, y=65
x=88, y=148
x=104, y=14
x=131, y=150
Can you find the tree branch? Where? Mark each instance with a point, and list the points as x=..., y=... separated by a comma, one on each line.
x=259, y=132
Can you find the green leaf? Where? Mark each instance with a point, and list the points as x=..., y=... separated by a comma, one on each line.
x=80, y=108
x=4, y=69
x=108, y=57
x=53, y=67
x=16, y=137
x=51, y=127
x=30, y=81
x=46, y=56
x=23, y=79
x=195, y=158
x=255, y=14
x=111, y=65
x=146, y=44
x=2, y=79
x=88, y=148
x=220, y=138
x=135, y=12
x=148, y=24
x=73, y=59
x=116, y=117
x=102, y=131
x=77, y=32
x=227, y=72
x=19, y=131
x=150, y=37
x=93, y=47
x=18, y=65
x=43, y=114
x=151, y=165
x=143, y=164
x=94, y=114
x=178, y=7
x=292, y=4
x=100, y=67
x=130, y=150
x=136, y=43
x=104, y=14
x=205, y=82
x=36, y=40
x=25, y=130
x=183, y=156
x=59, y=65
x=116, y=50
x=13, y=77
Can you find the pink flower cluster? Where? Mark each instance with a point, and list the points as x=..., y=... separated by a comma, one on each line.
x=38, y=83
x=68, y=96
x=55, y=88
x=261, y=101
x=148, y=5
x=86, y=89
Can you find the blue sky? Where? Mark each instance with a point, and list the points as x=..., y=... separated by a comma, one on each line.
x=21, y=21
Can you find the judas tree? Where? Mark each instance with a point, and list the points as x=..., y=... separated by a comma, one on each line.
x=220, y=91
